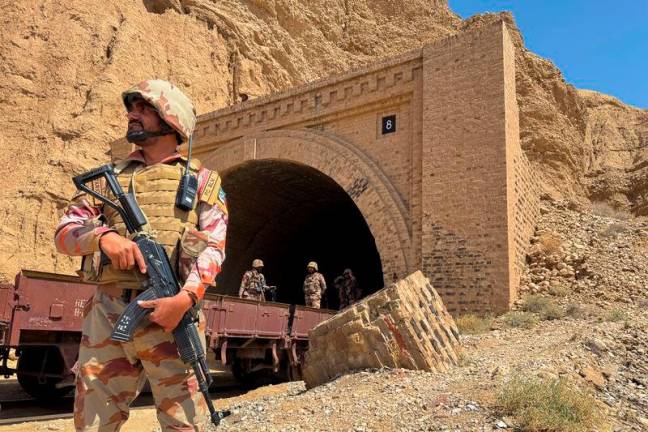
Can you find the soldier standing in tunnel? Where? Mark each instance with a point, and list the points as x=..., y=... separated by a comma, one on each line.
x=338, y=284
x=314, y=286
x=351, y=287
x=348, y=289
x=110, y=374
x=253, y=282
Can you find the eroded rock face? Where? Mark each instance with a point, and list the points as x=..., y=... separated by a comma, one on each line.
x=403, y=326
x=64, y=64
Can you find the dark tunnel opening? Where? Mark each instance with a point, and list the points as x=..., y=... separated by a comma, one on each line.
x=288, y=214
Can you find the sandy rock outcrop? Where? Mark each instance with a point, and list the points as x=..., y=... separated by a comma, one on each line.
x=63, y=65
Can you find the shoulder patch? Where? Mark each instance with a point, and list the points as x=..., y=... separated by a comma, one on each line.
x=212, y=190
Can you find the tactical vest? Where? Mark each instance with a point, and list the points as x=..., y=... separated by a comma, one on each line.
x=155, y=188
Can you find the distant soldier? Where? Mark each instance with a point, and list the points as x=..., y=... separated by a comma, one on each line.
x=314, y=286
x=348, y=289
x=351, y=287
x=338, y=284
x=253, y=282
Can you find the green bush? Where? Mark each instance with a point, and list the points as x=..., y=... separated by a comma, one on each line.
x=549, y=406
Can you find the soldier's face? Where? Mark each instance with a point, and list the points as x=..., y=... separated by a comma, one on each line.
x=142, y=116
x=311, y=270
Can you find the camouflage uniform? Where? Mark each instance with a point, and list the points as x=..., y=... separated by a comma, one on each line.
x=252, y=285
x=338, y=284
x=348, y=290
x=110, y=373
x=314, y=289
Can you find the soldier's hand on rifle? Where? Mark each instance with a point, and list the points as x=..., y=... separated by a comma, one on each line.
x=168, y=311
x=123, y=253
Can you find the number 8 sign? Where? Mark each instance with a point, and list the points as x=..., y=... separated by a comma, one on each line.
x=389, y=124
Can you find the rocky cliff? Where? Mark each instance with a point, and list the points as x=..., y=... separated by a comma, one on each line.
x=64, y=63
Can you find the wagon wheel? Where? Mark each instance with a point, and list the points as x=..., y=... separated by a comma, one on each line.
x=294, y=372
x=36, y=360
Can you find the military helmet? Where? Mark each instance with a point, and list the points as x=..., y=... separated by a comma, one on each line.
x=347, y=272
x=257, y=263
x=312, y=264
x=173, y=106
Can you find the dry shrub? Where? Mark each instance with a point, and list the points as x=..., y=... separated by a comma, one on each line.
x=474, y=324
x=576, y=311
x=535, y=303
x=614, y=315
x=613, y=230
x=549, y=244
x=546, y=308
x=552, y=312
x=549, y=406
x=520, y=319
x=559, y=290
x=606, y=210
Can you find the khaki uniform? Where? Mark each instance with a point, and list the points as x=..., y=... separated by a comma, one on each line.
x=314, y=289
x=252, y=285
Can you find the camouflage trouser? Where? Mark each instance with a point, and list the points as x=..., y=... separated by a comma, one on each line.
x=111, y=374
x=313, y=300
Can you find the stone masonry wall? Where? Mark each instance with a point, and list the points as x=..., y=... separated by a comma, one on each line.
x=469, y=139
x=402, y=326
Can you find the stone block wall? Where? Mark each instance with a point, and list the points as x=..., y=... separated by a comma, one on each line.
x=403, y=326
x=471, y=160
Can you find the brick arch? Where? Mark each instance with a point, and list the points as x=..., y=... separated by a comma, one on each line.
x=352, y=170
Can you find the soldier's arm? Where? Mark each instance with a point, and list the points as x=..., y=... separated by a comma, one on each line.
x=244, y=283
x=322, y=283
x=212, y=224
x=79, y=230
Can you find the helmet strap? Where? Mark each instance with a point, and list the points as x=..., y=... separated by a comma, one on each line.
x=141, y=136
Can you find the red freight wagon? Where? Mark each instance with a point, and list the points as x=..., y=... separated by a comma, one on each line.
x=41, y=317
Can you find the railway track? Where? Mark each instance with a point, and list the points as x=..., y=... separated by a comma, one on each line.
x=29, y=410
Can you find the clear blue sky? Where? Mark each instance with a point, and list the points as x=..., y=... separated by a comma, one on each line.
x=599, y=45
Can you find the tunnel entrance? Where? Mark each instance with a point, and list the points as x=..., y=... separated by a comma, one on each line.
x=288, y=214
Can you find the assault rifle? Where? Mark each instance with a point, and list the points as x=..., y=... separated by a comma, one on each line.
x=272, y=291
x=161, y=282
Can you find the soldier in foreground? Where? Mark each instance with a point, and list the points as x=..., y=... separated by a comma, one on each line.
x=253, y=282
x=160, y=117
x=314, y=286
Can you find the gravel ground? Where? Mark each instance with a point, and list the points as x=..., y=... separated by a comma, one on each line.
x=599, y=264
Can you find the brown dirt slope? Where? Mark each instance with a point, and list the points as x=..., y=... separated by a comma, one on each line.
x=64, y=63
